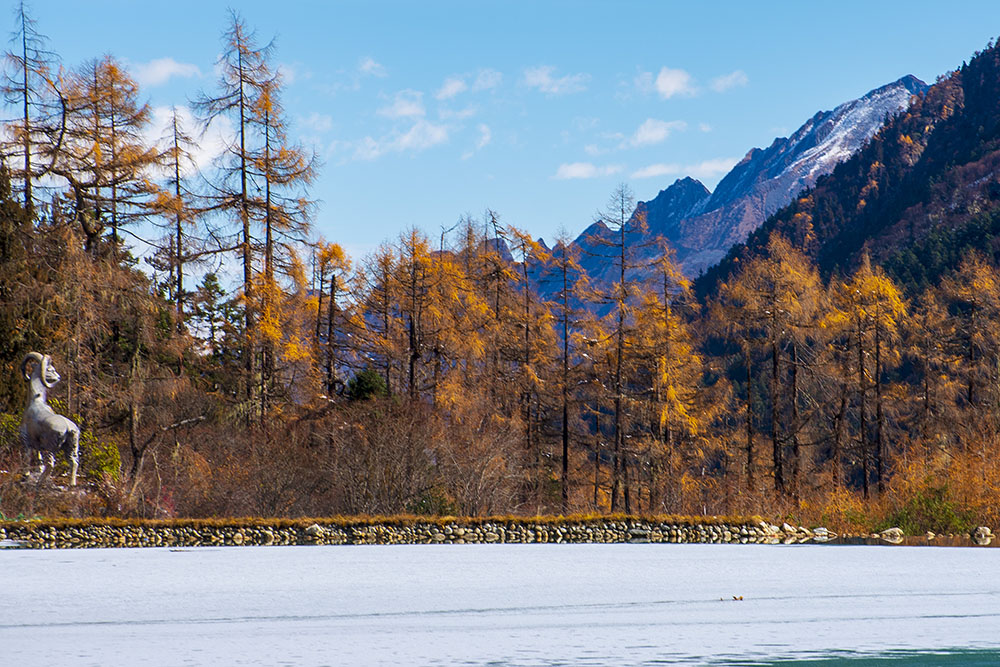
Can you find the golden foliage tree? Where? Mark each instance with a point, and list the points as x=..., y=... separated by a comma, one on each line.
x=777, y=296
x=869, y=310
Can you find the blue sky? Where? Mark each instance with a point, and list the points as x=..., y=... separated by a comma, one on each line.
x=424, y=111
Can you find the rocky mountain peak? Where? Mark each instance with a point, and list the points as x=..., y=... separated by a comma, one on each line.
x=701, y=226
x=768, y=179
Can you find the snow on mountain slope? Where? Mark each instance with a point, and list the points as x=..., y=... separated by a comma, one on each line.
x=768, y=179
x=702, y=226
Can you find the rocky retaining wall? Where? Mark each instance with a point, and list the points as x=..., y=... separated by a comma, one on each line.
x=40, y=535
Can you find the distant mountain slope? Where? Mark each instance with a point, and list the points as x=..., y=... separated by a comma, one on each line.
x=701, y=225
x=926, y=186
x=767, y=179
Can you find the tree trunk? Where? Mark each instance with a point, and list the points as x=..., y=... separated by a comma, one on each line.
x=565, y=394
x=838, y=437
x=620, y=463
x=179, y=258
x=776, y=446
x=331, y=345
x=597, y=460
x=249, y=358
x=879, y=415
x=862, y=416
x=749, y=420
x=319, y=306
x=28, y=201
x=414, y=355
x=795, y=463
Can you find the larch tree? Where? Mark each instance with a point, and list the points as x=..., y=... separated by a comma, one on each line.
x=245, y=71
x=731, y=319
x=972, y=298
x=490, y=267
x=776, y=295
x=333, y=268
x=282, y=171
x=104, y=154
x=624, y=223
x=871, y=310
x=175, y=204
x=929, y=336
x=673, y=367
x=379, y=299
x=564, y=270
x=534, y=321
x=29, y=85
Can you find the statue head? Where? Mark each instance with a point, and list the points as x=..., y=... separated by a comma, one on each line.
x=43, y=369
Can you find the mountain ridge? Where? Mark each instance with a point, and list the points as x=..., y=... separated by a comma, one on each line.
x=920, y=194
x=702, y=225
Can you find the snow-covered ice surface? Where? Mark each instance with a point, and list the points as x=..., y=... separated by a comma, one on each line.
x=500, y=605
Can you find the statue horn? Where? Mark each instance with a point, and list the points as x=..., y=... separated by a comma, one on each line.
x=39, y=359
x=46, y=363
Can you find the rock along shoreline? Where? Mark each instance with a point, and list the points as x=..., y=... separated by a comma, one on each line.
x=84, y=534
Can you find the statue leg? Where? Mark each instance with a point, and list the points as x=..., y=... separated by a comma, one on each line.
x=28, y=459
x=73, y=454
x=48, y=463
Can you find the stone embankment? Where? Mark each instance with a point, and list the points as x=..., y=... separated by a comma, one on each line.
x=80, y=534
x=68, y=534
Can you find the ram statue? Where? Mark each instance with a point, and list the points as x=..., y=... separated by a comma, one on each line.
x=42, y=430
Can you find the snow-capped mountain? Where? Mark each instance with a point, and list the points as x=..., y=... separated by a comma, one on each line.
x=767, y=179
x=701, y=225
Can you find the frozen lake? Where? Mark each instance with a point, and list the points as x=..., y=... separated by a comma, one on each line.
x=500, y=605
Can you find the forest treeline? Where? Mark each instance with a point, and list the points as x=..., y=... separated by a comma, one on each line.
x=428, y=377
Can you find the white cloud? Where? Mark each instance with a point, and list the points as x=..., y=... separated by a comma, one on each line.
x=452, y=86
x=644, y=82
x=485, y=136
x=288, y=74
x=487, y=79
x=581, y=170
x=704, y=127
x=542, y=78
x=158, y=72
x=405, y=104
x=207, y=145
x=721, y=84
x=368, y=149
x=318, y=122
x=712, y=168
x=368, y=66
x=707, y=169
x=654, y=170
x=654, y=131
x=671, y=82
x=421, y=136
x=460, y=114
